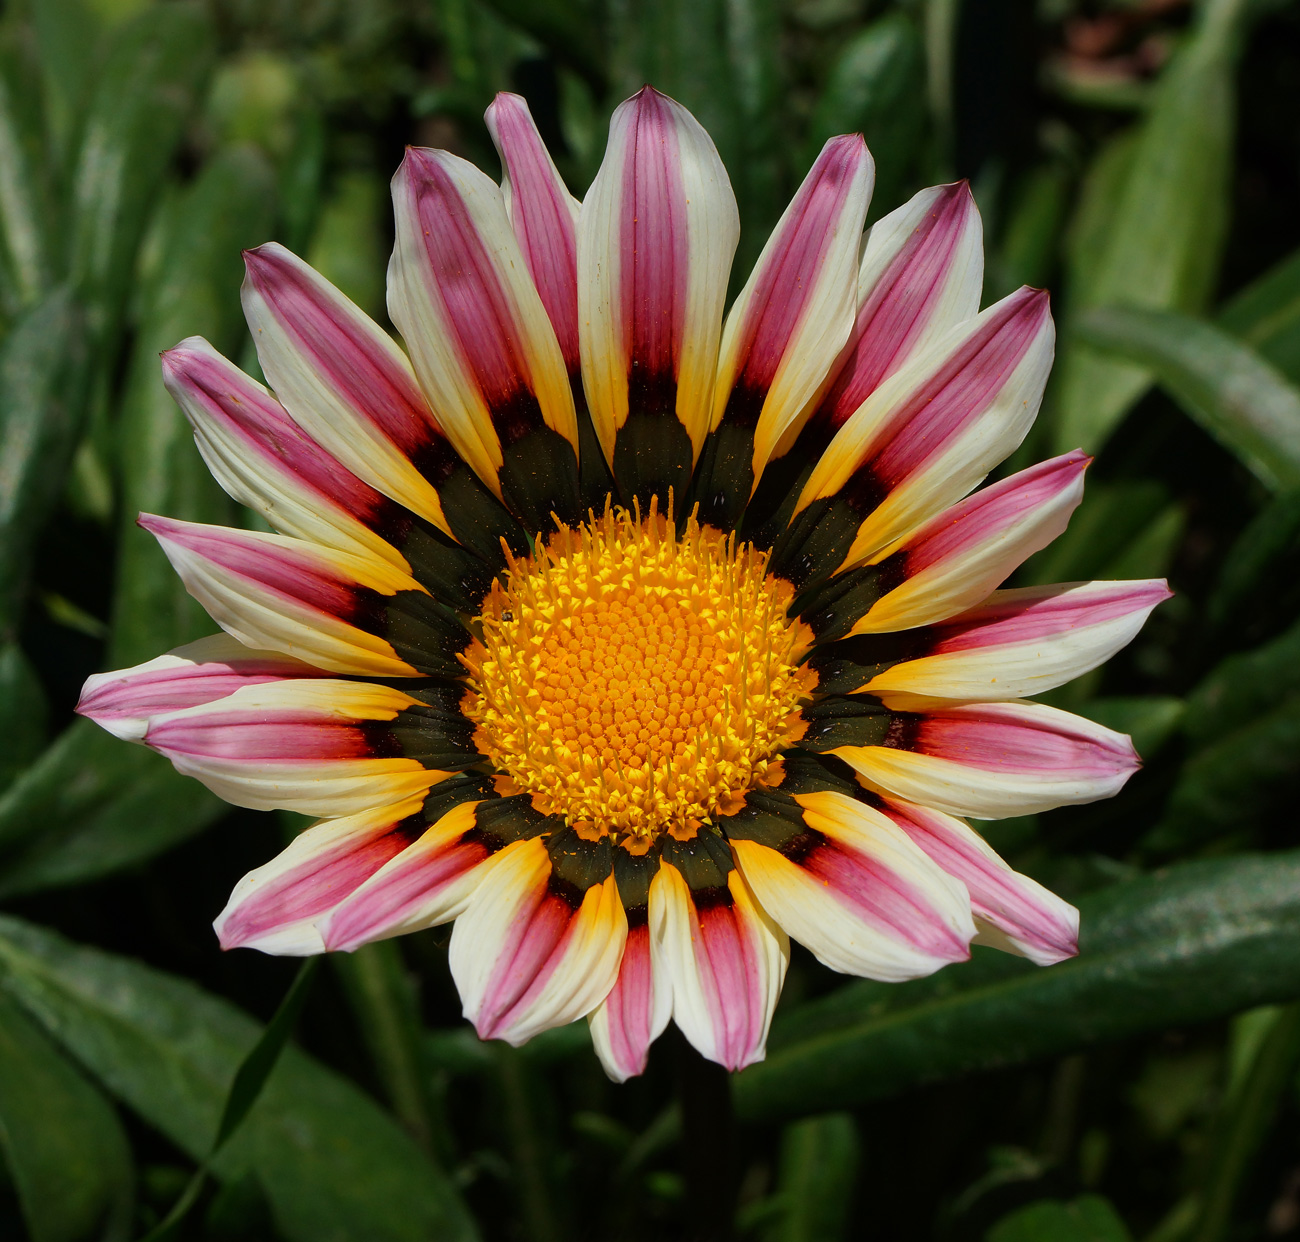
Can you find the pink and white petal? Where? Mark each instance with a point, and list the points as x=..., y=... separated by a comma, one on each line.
x=543, y=214
x=344, y=380
x=921, y=276
x=264, y=460
x=123, y=701
x=277, y=907
x=634, y=1014
x=957, y=558
x=1021, y=642
x=656, y=236
x=796, y=311
x=428, y=883
x=524, y=960
x=865, y=900
x=726, y=962
x=1016, y=913
x=284, y=594
x=932, y=431
x=461, y=296
x=305, y=746
x=990, y=760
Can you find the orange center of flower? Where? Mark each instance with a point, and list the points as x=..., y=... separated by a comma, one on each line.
x=634, y=682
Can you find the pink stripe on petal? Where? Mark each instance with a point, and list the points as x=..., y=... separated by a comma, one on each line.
x=543, y=215
x=1036, y=920
x=881, y=898
x=1007, y=738
x=318, y=883
x=987, y=513
x=265, y=736
x=732, y=982
x=287, y=571
x=1034, y=613
x=363, y=376
x=898, y=307
x=388, y=901
x=654, y=252
x=533, y=951
x=476, y=309
x=627, y=1015
x=960, y=390
x=790, y=275
x=194, y=372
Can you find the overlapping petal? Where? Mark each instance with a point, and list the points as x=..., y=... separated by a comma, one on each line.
x=525, y=957
x=331, y=609
x=726, y=960
x=319, y=746
x=852, y=888
x=921, y=275
x=345, y=381
x=1013, y=911
x=789, y=323
x=656, y=236
x=544, y=216
x=637, y=1009
x=278, y=907
x=1020, y=643
x=923, y=439
x=991, y=760
x=480, y=339
x=124, y=701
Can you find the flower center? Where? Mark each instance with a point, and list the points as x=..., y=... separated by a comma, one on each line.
x=634, y=682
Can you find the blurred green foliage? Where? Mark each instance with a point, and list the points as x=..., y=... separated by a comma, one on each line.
x=1139, y=157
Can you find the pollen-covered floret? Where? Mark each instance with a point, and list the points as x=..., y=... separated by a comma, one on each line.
x=635, y=682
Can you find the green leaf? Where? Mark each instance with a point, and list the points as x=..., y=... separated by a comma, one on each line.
x=818, y=1175
x=64, y=1146
x=1243, y=688
x=195, y=291
x=1256, y=563
x=872, y=88
x=42, y=406
x=565, y=28
x=154, y=71
x=1235, y=782
x=334, y=1166
x=247, y=1086
x=92, y=805
x=348, y=247
x=70, y=37
x=1195, y=942
x=1241, y=400
x=1161, y=244
x=1089, y=1218
x=1031, y=237
x=1266, y=316
x=27, y=219
x=23, y=713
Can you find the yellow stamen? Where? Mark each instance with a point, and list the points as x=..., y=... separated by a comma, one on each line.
x=634, y=682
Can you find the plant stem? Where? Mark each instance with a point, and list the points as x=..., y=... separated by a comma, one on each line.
x=540, y=1221
x=708, y=1146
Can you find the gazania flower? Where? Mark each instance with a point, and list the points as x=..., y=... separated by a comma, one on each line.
x=633, y=639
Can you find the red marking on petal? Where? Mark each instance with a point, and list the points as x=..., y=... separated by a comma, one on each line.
x=266, y=429
x=363, y=375
x=629, y=1008
x=896, y=310
x=962, y=388
x=880, y=897
x=1046, y=615
x=315, y=885
x=655, y=254
x=982, y=516
x=267, y=736
x=1002, y=742
x=789, y=277
x=533, y=950
x=541, y=217
x=732, y=982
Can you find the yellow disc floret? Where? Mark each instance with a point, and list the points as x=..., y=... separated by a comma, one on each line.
x=634, y=682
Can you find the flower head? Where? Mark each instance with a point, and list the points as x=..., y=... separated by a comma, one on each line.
x=632, y=637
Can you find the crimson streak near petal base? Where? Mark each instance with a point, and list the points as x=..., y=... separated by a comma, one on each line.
x=633, y=637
